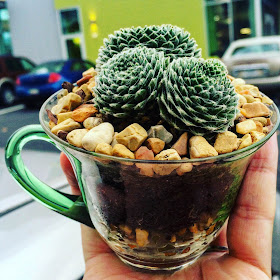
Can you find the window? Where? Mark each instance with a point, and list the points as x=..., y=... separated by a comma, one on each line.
x=69, y=21
x=218, y=28
x=270, y=17
x=71, y=33
x=13, y=65
x=254, y=49
x=26, y=65
x=5, y=37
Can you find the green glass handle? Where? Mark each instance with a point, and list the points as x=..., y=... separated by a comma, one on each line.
x=71, y=206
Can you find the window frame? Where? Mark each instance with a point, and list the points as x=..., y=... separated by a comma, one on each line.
x=65, y=37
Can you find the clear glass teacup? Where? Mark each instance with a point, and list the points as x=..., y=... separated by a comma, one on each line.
x=155, y=222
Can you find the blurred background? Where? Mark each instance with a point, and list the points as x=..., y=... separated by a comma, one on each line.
x=45, y=42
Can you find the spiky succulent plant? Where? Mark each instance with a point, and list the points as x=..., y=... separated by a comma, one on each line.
x=173, y=41
x=198, y=97
x=127, y=85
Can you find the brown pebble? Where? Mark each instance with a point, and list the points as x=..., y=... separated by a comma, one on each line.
x=155, y=144
x=84, y=80
x=181, y=145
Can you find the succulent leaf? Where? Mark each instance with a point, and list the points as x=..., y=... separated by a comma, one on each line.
x=173, y=41
x=128, y=84
x=198, y=97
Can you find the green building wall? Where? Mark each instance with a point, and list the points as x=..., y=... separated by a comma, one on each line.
x=112, y=15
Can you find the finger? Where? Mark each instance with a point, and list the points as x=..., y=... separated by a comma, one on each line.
x=69, y=173
x=251, y=223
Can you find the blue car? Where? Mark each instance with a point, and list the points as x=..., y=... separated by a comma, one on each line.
x=46, y=78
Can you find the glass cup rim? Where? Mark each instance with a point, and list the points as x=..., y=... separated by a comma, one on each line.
x=114, y=158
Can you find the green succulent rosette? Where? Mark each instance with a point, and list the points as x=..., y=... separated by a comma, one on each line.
x=128, y=84
x=198, y=97
x=173, y=41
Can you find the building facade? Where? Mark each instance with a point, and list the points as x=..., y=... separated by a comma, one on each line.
x=60, y=29
x=230, y=20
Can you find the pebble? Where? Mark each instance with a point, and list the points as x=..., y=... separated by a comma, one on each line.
x=226, y=142
x=267, y=100
x=256, y=136
x=132, y=136
x=256, y=109
x=246, y=127
x=184, y=167
x=166, y=169
x=122, y=151
x=102, y=133
x=141, y=237
x=200, y=148
x=145, y=154
x=246, y=141
x=241, y=100
x=92, y=122
x=67, y=125
x=67, y=103
x=259, y=126
x=104, y=148
x=64, y=116
x=83, y=112
x=159, y=131
x=181, y=145
x=75, y=137
x=155, y=144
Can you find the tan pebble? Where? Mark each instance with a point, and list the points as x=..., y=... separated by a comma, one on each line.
x=114, y=141
x=249, y=98
x=67, y=103
x=268, y=121
x=64, y=116
x=86, y=91
x=266, y=130
x=144, y=153
x=200, y=148
x=238, y=81
x=92, y=122
x=259, y=126
x=155, y=144
x=240, y=118
x=51, y=124
x=226, y=142
x=90, y=87
x=75, y=137
x=257, y=99
x=122, y=151
x=248, y=89
x=173, y=238
x=241, y=100
x=132, y=136
x=256, y=109
x=141, y=237
x=75, y=89
x=91, y=71
x=245, y=127
x=104, y=148
x=256, y=136
x=67, y=125
x=194, y=228
x=83, y=112
x=246, y=141
x=126, y=229
x=267, y=100
x=61, y=93
x=181, y=145
x=166, y=169
x=262, y=120
x=184, y=167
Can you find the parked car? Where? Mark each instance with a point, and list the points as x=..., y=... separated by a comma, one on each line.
x=46, y=78
x=10, y=68
x=256, y=60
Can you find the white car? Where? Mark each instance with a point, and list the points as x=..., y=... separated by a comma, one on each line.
x=256, y=60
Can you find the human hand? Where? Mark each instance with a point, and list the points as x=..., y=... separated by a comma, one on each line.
x=248, y=235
